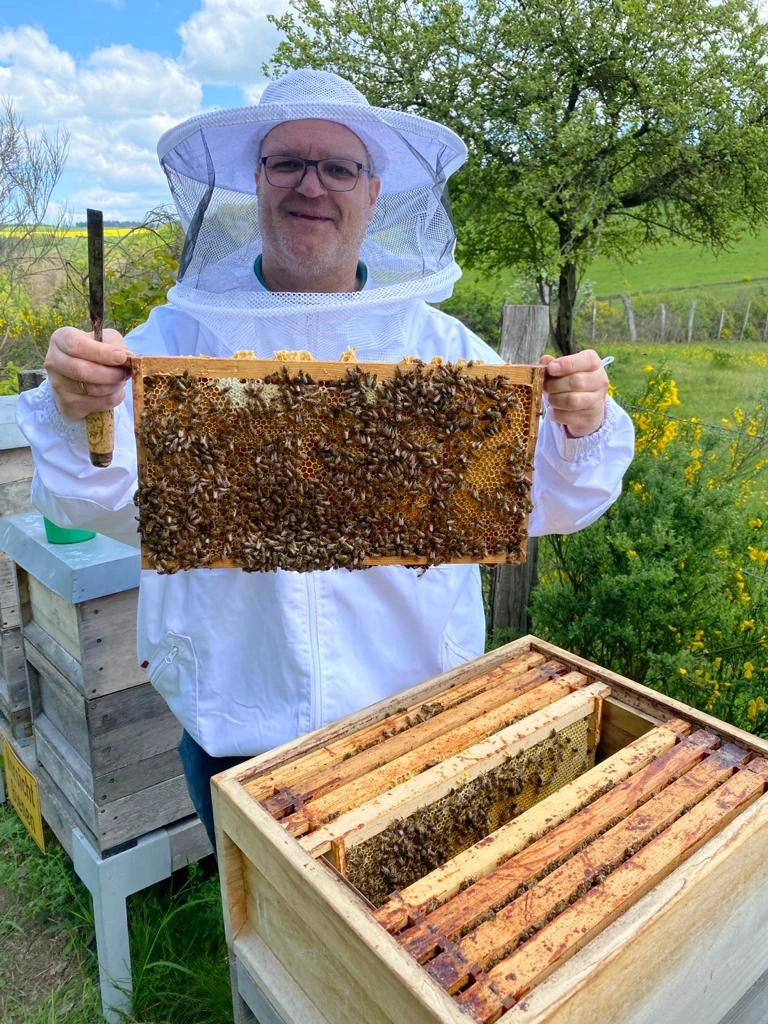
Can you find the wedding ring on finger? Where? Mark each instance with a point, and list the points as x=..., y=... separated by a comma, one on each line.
x=83, y=387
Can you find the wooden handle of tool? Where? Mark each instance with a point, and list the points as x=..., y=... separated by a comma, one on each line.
x=100, y=426
x=101, y=437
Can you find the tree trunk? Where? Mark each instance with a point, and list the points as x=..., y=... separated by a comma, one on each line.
x=524, y=336
x=511, y=593
x=691, y=315
x=566, y=305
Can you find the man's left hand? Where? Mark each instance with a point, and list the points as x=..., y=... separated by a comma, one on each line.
x=576, y=387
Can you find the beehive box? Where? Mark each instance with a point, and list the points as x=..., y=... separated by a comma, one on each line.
x=308, y=465
x=528, y=838
x=16, y=470
x=104, y=738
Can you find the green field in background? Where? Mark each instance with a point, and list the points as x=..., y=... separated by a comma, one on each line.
x=712, y=380
x=675, y=265
x=682, y=265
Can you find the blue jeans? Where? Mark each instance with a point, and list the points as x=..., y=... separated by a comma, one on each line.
x=199, y=767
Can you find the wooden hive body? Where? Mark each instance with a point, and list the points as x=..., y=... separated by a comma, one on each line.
x=15, y=478
x=312, y=465
x=627, y=816
x=105, y=739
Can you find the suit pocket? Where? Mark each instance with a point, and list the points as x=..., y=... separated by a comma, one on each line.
x=173, y=665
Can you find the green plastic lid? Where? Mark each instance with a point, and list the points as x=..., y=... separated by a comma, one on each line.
x=62, y=535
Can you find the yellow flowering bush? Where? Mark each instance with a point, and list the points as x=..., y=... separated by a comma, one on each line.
x=670, y=587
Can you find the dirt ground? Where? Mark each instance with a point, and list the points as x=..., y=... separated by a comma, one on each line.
x=34, y=962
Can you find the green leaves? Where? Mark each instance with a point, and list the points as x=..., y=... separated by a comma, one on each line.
x=586, y=121
x=669, y=587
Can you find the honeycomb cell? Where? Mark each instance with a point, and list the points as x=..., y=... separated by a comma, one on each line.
x=429, y=464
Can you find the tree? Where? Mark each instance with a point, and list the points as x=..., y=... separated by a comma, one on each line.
x=30, y=168
x=140, y=266
x=592, y=124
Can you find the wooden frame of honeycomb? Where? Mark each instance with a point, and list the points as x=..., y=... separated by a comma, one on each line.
x=598, y=883
x=265, y=464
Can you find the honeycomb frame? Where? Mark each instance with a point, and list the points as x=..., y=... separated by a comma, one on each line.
x=305, y=465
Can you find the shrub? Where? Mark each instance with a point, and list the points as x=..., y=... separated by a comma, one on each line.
x=479, y=308
x=670, y=586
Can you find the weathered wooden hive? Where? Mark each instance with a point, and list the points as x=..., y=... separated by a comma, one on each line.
x=105, y=740
x=528, y=837
x=304, y=465
x=15, y=478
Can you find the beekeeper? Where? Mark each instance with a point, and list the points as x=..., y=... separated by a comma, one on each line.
x=313, y=221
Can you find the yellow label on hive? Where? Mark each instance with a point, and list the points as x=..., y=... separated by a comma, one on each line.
x=24, y=794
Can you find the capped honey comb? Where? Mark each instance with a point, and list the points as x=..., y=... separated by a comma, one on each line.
x=265, y=464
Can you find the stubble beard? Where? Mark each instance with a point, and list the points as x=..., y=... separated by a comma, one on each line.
x=317, y=263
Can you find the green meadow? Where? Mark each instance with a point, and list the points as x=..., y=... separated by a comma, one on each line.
x=682, y=265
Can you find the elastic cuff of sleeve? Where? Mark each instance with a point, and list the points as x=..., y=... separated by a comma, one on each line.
x=73, y=431
x=582, y=449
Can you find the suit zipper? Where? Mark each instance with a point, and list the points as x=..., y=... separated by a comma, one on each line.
x=316, y=684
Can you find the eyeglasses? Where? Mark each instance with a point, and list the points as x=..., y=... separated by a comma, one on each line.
x=336, y=175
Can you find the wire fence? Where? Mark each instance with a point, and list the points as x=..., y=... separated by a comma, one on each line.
x=677, y=316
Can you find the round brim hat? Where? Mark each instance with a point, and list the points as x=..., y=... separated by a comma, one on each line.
x=221, y=148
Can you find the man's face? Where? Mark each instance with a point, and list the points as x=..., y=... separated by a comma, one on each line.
x=310, y=232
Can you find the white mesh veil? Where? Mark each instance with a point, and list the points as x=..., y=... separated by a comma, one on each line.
x=408, y=249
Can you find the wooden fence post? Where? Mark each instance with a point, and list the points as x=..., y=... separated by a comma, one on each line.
x=524, y=336
x=29, y=379
x=746, y=321
x=630, y=317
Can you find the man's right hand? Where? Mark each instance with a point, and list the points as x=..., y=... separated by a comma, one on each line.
x=87, y=375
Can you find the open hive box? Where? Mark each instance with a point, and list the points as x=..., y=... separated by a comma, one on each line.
x=303, y=465
x=528, y=837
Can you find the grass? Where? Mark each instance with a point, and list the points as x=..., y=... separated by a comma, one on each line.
x=671, y=266
x=682, y=265
x=48, y=965
x=712, y=380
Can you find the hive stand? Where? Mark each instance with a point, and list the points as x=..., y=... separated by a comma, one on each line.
x=116, y=860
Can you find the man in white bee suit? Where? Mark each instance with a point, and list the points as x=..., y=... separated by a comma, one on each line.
x=313, y=221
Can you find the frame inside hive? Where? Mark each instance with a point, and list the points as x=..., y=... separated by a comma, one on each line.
x=262, y=464
x=392, y=803
x=496, y=918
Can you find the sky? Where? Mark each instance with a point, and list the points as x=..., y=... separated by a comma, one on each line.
x=116, y=74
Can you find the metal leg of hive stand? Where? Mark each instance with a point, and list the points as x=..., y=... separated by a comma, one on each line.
x=110, y=880
x=241, y=1011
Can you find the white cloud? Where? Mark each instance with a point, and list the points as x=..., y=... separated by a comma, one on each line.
x=40, y=78
x=125, y=205
x=115, y=103
x=121, y=80
x=252, y=93
x=227, y=41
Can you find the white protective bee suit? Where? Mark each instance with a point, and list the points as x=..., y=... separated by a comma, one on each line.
x=250, y=660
